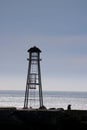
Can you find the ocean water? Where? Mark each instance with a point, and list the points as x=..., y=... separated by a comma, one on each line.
x=78, y=100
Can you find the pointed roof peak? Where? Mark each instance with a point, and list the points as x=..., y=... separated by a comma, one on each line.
x=34, y=49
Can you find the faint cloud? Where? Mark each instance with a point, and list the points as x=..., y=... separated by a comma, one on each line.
x=61, y=40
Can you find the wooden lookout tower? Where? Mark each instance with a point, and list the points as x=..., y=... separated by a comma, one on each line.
x=33, y=78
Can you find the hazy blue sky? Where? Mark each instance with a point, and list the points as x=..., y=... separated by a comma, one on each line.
x=58, y=28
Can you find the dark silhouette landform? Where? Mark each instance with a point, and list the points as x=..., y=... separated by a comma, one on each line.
x=41, y=119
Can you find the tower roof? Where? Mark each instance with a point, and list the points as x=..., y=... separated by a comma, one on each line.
x=34, y=49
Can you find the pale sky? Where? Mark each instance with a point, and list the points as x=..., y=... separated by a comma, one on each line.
x=58, y=28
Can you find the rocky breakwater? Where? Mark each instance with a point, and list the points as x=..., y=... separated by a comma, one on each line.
x=51, y=119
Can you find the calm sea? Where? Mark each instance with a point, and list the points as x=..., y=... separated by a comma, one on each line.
x=78, y=100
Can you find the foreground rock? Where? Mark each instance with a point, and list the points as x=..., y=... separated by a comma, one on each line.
x=52, y=119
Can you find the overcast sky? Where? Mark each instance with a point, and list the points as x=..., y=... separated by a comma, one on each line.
x=58, y=28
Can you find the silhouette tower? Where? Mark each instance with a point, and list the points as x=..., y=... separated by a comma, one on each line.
x=33, y=76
